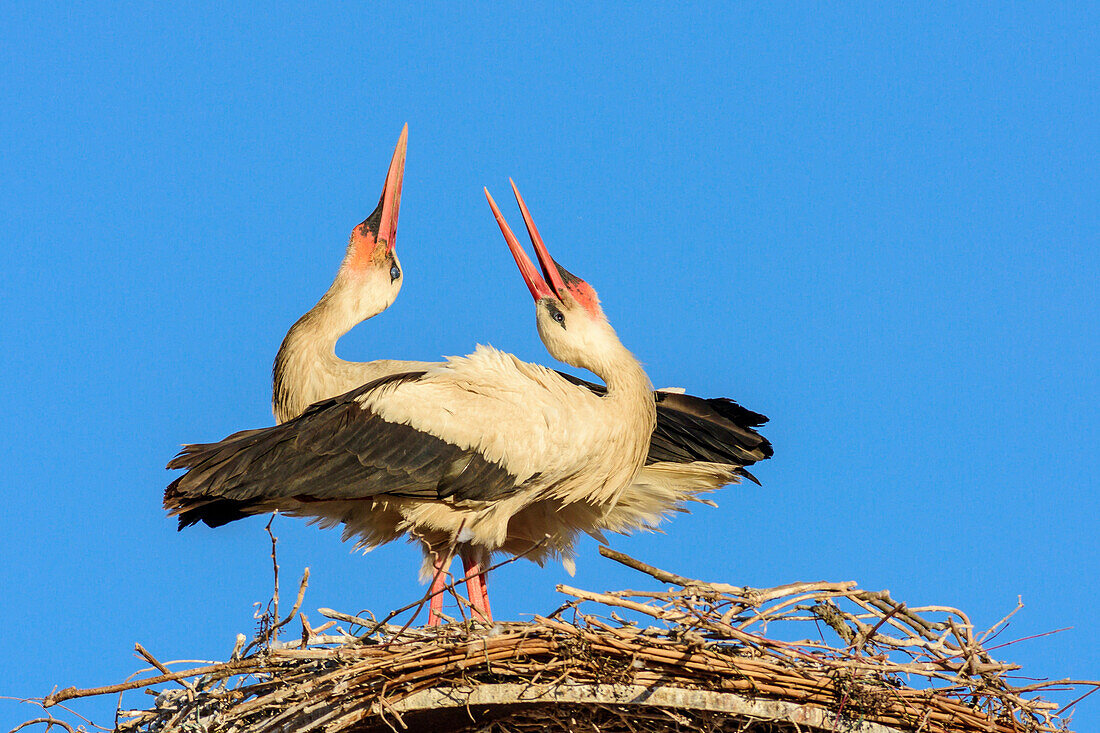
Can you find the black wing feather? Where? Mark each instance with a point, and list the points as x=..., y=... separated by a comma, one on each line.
x=336, y=450
x=689, y=428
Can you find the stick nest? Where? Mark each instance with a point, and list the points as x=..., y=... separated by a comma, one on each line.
x=850, y=656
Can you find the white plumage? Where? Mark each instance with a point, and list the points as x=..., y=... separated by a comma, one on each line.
x=478, y=454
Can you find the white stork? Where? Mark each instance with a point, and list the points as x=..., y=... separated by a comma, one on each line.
x=697, y=446
x=452, y=455
x=306, y=369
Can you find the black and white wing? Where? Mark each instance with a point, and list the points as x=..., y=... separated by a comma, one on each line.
x=338, y=449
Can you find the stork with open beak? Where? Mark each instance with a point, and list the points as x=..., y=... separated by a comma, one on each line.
x=451, y=455
x=698, y=445
x=306, y=368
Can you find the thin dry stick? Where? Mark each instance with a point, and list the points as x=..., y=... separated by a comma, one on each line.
x=662, y=575
x=222, y=668
x=152, y=660
x=418, y=605
x=1069, y=706
x=1019, y=605
x=50, y=723
x=40, y=703
x=269, y=635
x=273, y=634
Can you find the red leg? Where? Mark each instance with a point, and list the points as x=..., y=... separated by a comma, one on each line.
x=476, y=587
x=439, y=580
x=485, y=595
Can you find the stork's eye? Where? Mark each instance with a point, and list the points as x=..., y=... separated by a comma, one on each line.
x=395, y=272
x=556, y=314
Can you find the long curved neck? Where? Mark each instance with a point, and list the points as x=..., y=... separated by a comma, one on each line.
x=628, y=387
x=306, y=367
x=630, y=416
x=624, y=376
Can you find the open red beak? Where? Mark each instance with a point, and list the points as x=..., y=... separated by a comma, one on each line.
x=535, y=282
x=549, y=267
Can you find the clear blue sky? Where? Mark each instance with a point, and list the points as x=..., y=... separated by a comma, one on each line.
x=878, y=226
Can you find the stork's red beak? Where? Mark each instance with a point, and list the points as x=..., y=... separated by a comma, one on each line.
x=535, y=283
x=391, y=194
x=549, y=267
x=380, y=228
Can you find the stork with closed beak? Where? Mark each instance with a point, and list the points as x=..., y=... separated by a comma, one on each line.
x=306, y=368
x=451, y=455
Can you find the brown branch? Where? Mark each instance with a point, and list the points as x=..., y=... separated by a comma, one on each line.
x=1029, y=638
x=222, y=669
x=153, y=661
x=50, y=723
x=1069, y=706
x=270, y=635
x=661, y=575
x=1019, y=605
x=40, y=703
x=864, y=638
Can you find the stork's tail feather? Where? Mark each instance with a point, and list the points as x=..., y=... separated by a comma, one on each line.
x=712, y=430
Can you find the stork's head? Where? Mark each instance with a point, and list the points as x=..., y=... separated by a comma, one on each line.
x=570, y=321
x=371, y=262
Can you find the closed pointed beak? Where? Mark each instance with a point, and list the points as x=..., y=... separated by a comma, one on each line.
x=391, y=194
x=538, y=287
x=380, y=228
